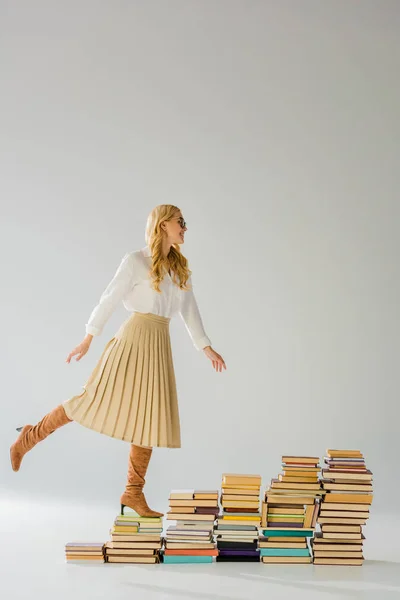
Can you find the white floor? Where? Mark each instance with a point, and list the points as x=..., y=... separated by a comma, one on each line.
x=32, y=565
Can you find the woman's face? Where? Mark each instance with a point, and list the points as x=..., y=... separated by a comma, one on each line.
x=175, y=229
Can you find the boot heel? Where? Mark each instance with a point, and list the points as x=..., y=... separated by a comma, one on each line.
x=122, y=508
x=19, y=428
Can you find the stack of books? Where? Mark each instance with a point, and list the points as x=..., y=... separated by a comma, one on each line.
x=344, y=510
x=81, y=552
x=191, y=539
x=290, y=510
x=135, y=539
x=238, y=524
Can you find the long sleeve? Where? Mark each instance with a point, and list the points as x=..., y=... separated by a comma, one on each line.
x=190, y=315
x=112, y=295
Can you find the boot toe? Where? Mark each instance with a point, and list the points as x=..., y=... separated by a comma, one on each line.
x=16, y=458
x=17, y=451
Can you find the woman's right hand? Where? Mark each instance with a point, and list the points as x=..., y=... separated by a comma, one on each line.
x=81, y=349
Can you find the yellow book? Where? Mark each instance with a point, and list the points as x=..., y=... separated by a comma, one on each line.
x=254, y=522
x=239, y=504
x=172, y=516
x=279, y=499
x=301, y=459
x=355, y=562
x=241, y=486
x=332, y=453
x=133, y=559
x=194, y=503
x=298, y=478
x=241, y=498
x=286, y=559
x=264, y=511
x=337, y=554
x=244, y=479
x=242, y=490
x=280, y=510
x=309, y=515
x=122, y=529
x=302, y=485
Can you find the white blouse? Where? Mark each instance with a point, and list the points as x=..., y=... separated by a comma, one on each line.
x=132, y=284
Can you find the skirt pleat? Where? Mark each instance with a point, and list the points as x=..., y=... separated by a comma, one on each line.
x=131, y=393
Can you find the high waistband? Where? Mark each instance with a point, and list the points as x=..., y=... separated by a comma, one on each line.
x=152, y=317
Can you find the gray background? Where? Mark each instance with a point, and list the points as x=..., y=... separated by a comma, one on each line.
x=274, y=126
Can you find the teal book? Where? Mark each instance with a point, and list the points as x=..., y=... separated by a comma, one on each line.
x=286, y=532
x=284, y=552
x=177, y=559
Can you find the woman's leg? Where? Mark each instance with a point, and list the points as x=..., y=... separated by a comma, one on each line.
x=32, y=434
x=133, y=497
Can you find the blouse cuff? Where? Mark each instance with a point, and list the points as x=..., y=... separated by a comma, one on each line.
x=202, y=343
x=92, y=330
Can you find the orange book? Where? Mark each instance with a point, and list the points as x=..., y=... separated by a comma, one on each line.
x=349, y=498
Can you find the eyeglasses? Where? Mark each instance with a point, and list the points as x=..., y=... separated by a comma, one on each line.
x=181, y=220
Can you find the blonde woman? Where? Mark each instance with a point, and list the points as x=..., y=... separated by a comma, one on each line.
x=131, y=393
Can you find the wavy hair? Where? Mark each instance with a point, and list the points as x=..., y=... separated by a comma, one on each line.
x=175, y=259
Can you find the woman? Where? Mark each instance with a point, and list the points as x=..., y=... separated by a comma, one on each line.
x=131, y=393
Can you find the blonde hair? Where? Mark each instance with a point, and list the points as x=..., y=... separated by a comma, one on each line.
x=175, y=259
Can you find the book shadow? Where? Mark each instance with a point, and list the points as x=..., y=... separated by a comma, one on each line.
x=380, y=576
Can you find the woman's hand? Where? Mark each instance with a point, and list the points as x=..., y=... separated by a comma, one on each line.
x=81, y=349
x=216, y=359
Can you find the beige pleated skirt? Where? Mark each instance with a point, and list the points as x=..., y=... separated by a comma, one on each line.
x=131, y=394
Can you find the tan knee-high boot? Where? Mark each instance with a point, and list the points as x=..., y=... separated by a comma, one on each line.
x=32, y=434
x=133, y=497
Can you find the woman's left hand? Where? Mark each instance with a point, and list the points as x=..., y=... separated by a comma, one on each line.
x=216, y=359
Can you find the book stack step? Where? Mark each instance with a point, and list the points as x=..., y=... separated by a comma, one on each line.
x=237, y=525
x=290, y=510
x=83, y=552
x=345, y=509
x=135, y=539
x=191, y=538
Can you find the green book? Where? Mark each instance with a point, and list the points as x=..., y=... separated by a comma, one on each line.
x=135, y=517
x=288, y=532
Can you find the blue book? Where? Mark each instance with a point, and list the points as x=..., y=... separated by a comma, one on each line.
x=176, y=558
x=284, y=552
x=286, y=532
